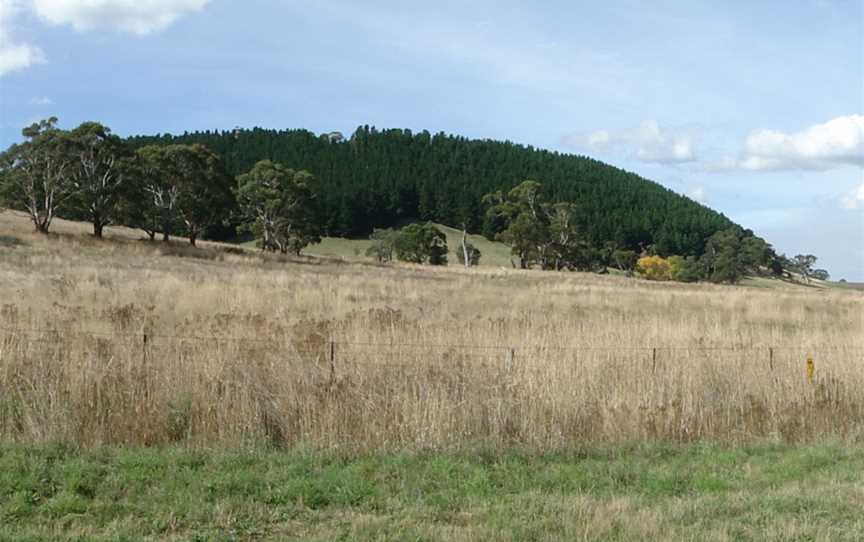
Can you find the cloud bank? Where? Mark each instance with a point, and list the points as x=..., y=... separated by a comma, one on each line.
x=14, y=55
x=649, y=142
x=838, y=142
x=134, y=16
x=854, y=199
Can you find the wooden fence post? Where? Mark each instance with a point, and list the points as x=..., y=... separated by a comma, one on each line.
x=653, y=360
x=332, y=363
x=144, y=367
x=771, y=358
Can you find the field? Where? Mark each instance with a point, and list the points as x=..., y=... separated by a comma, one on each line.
x=704, y=493
x=632, y=408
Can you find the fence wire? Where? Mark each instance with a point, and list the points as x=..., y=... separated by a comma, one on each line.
x=147, y=336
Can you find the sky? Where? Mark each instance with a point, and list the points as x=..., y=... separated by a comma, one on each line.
x=755, y=109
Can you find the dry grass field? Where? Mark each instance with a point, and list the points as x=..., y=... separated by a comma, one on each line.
x=126, y=342
x=162, y=392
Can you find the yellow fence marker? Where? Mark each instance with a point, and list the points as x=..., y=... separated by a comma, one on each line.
x=811, y=369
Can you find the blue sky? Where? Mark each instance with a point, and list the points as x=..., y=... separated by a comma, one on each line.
x=755, y=108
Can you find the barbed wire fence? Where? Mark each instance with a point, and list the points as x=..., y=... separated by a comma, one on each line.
x=340, y=384
x=333, y=351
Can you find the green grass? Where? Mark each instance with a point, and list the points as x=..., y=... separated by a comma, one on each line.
x=697, y=492
x=493, y=254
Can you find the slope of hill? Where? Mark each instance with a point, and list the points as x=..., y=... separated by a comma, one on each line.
x=493, y=253
x=380, y=178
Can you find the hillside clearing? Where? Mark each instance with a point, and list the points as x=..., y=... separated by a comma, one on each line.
x=494, y=254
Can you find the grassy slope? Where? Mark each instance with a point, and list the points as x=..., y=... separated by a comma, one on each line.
x=493, y=254
x=649, y=493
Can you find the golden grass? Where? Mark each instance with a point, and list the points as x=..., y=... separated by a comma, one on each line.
x=238, y=348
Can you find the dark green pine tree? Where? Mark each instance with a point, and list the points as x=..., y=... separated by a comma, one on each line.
x=381, y=178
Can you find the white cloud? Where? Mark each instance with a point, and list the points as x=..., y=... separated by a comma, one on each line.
x=41, y=100
x=854, y=199
x=135, y=16
x=649, y=142
x=835, y=143
x=697, y=193
x=14, y=55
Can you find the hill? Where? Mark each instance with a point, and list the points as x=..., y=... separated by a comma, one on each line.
x=379, y=178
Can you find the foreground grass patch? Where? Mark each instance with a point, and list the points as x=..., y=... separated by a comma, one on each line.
x=653, y=493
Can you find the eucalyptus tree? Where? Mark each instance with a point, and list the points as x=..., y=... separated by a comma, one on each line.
x=803, y=264
x=277, y=204
x=155, y=209
x=100, y=171
x=421, y=243
x=382, y=244
x=36, y=173
x=202, y=185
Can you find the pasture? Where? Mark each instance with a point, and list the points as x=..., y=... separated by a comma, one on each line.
x=621, y=407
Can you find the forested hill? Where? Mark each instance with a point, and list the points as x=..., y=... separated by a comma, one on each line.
x=379, y=178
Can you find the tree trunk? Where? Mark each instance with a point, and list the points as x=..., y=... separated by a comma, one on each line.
x=165, y=237
x=97, y=229
x=40, y=223
x=465, y=247
x=151, y=235
x=192, y=237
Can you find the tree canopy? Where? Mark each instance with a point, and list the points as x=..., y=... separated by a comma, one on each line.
x=571, y=213
x=277, y=203
x=383, y=178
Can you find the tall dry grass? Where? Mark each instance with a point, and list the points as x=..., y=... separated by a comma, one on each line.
x=242, y=348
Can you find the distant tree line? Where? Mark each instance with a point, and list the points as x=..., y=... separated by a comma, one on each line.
x=385, y=178
x=90, y=174
x=548, y=235
x=587, y=217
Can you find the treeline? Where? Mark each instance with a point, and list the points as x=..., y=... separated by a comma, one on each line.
x=187, y=189
x=546, y=234
x=90, y=174
x=384, y=178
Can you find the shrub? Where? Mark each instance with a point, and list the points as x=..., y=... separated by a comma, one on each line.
x=685, y=269
x=383, y=242
x=624, y=259
x=473, y=254
x=421, y=243
x=654, y=268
